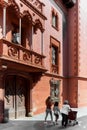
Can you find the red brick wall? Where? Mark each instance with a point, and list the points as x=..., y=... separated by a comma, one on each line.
x=40, y=92
x=82, y=93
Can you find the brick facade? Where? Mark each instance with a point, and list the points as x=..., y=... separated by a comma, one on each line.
x=27, y=73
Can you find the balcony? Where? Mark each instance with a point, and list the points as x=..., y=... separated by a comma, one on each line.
x=15, y=54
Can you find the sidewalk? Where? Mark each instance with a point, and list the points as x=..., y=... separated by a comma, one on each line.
x=40, y=117
x=36, y=122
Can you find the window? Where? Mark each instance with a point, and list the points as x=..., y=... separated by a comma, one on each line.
x=54, y=20
x=16, y=38
x=54, y=51
x=15, y=35
x=54, y=59
x=54, y=55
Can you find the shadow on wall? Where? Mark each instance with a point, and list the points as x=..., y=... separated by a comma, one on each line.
x=4, y=114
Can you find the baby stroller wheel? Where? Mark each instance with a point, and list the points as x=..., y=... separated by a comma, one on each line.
x=76, y=122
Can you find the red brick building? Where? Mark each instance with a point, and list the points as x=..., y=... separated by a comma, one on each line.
x=42, y=53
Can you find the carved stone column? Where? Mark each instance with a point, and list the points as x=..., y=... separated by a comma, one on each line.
x=42, y=43
x=32, y=37
x=4, y=22
x=20, y=30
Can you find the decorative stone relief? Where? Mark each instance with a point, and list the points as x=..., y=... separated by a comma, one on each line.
x=13, y=3
x=13, y=52
x=26, y=13
x=9, y=91
x=37, y=4
x=37, y=59
x=27, y=56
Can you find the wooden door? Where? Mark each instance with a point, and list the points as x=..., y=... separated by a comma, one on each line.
x=15, y=96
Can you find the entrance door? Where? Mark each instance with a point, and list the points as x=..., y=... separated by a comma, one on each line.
x=15, y=96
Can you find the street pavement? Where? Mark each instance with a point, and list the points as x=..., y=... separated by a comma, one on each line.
x=37, y=123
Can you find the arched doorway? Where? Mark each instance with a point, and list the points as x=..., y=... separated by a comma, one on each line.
x=16, y=96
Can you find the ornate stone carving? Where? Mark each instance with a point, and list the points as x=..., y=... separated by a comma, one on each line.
x=26, y=13
x=12, y=52
x=27, y=56
x=54, y=69
x=37, y=59
x=17, y=52
x=37, y=4
x=37, y=25
x=20, y=92
x=54, y=89
x=9, y=91
x=15, y=6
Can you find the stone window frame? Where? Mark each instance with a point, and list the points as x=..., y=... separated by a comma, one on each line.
x=54, y=16
x=56, y=44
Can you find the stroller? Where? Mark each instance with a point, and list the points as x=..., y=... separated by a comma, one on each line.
x=72, y=117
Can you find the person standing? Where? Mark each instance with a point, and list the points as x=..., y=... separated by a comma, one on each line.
x=65, y=111
x=49, y=104
x=56, y=112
